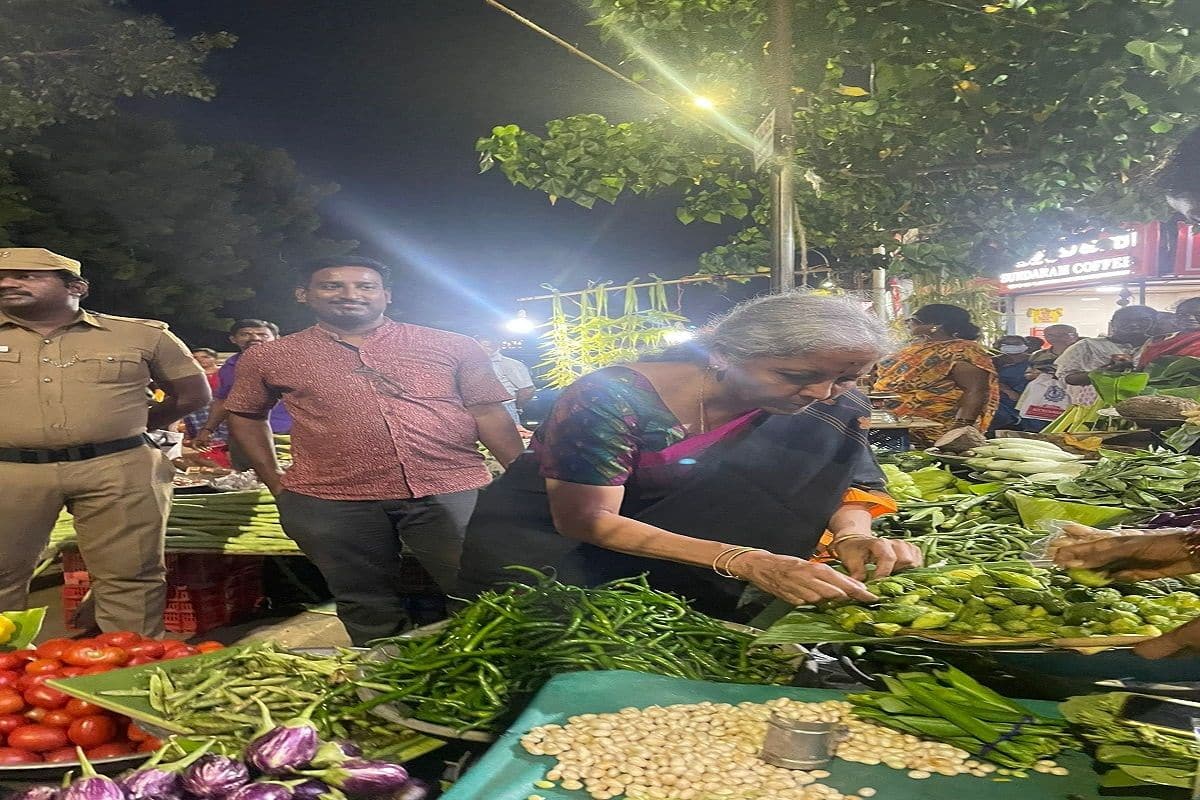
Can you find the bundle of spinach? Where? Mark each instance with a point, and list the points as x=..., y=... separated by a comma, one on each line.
x=1138, y=754
x=1145, y=482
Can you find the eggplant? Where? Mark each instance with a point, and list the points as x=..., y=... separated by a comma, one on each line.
x=283, y=749
x=92, y=786
x=261, y=791
x=37, y=793
x=413, y=790
x=311, y=789
x=214, y=777
x=361, y=778
x=155, y=782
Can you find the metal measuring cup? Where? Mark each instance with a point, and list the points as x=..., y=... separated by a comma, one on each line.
x=799, y=744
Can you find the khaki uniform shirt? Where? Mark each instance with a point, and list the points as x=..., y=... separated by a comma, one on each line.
x=84, y=383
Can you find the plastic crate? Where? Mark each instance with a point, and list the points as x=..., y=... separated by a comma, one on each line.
x=72, y=561
x=196, y=609
x=72, y=596
x=77, y=579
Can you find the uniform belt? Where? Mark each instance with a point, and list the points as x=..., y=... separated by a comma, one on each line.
x=80, y=452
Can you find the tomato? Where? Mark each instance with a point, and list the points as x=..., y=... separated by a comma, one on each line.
x=9, y=677
x=70, y=672
x=147, y=649
x=95, y=655
x=110, y=750
x=82, y=708
x=92, y=731
x=180, y=652
x=150, y=745
x=137, y=661
x=38, y=738
x=54, y=648
x=45, y=697
x=8, y=722
x=61, y=755
x=58, y=719
x=13, y=661
x=11, y=755
x=43, y=666
x=209, y=647
x=133, y=733
x=29, y=681
x=35, y=715
x=11, y=701
x=120, y=639
x=96, y=670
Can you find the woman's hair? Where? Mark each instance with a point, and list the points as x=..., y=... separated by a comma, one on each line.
x=1179, y=175
x=953, y=320
x=787, y=325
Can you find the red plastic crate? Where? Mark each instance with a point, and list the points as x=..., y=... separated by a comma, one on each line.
x=196, y=609
x=72, y=561
x=72, y=596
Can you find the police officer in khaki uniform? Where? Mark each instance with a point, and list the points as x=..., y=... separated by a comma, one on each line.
x=73, y=421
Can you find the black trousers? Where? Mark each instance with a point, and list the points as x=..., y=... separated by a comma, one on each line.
x=357, y=544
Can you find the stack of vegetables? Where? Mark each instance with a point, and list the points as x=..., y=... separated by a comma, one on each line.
x=229, y=522
x=499, y=650
x=1031, y=459
x=39, y=723
x=1003, y=601
x=1137, y=754
x=281, y=762
x=949, y=706
x=220, y=698
x=283, y=447
x=927, y=483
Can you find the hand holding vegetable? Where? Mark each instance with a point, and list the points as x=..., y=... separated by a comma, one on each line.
x=1184, y=638
x=798, y=581
x=888, y=555
x=1137, y=557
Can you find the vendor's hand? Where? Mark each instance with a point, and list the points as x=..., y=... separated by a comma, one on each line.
x=1183, y=638
x=888, y=556
x=203, y=440
x=798, y=581
x=274, y=483
x=1131, y=558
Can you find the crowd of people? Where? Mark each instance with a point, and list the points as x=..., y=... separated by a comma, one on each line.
x=707, y=467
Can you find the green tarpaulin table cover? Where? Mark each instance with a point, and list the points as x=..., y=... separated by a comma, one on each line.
x=507, y=772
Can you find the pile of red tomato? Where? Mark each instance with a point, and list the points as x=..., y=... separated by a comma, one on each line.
x=41, y=724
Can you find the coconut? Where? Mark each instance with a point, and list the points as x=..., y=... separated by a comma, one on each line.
x=1157, y=406
x=960, y=440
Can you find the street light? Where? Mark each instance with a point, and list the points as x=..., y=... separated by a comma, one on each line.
x=520, y=324
x=706, y=103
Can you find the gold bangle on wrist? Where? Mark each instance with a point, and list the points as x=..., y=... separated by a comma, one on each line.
x=848, y=538
x=729, y=553
x=729, y=562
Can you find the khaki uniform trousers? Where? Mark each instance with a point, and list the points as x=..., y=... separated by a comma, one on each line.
x=120, y=503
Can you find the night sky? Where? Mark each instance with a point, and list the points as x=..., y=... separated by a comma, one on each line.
x=387, y=98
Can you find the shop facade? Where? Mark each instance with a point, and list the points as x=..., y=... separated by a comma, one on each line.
x=1082, y=284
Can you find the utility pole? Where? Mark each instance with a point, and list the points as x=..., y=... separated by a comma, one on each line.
x=779, y=67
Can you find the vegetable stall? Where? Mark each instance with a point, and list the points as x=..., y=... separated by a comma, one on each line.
x=622, y=691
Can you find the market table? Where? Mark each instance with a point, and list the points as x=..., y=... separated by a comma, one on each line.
x=507, y=772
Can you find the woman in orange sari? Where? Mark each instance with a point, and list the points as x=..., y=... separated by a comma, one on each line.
x=944, y=376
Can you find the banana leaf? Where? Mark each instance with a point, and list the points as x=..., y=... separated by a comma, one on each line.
x=1180, y=372
x=1113, y=387
x=1034, y=510
x=29, y=625
x=1182, y=439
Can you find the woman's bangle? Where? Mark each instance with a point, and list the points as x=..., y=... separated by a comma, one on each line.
x=849, y=537
x=729, y=554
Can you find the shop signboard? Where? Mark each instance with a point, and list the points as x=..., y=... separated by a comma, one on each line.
x=1187, y=251
x=1116, y=256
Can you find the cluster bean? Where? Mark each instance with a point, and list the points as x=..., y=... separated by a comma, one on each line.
x=711, y=750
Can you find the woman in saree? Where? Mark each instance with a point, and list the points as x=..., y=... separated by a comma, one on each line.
x=943, y=376
x=711, y=466
x=1182, y=340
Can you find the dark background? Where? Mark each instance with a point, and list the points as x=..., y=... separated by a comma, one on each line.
x=387, y=98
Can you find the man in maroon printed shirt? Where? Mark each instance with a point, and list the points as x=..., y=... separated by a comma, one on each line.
x=386, y=417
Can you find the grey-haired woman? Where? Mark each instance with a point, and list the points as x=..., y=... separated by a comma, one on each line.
x=705, y=467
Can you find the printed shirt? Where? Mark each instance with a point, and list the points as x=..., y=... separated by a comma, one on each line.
x=388, y=420
x=281, y=421
x=86, y=382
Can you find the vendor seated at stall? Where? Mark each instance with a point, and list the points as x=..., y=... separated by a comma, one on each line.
x=711, y=465
x=1177, y=335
